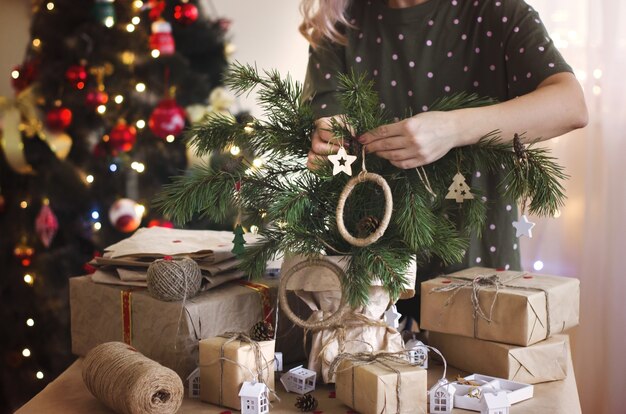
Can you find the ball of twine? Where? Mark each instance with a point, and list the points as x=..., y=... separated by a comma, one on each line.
x=171, y=280
x=130, y=383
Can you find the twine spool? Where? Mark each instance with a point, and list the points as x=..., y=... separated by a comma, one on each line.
x=347, y=190
x=172, y=280
x=130, y=383
x=284, y=304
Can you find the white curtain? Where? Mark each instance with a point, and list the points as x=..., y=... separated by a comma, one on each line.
x=588, y=239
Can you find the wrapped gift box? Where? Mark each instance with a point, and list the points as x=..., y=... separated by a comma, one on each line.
x=521, y=311
x=224, y=366
x=372, y=388
x=542, y=362
x=167, y=332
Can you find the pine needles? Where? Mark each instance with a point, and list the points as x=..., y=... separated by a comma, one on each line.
x=295, y=207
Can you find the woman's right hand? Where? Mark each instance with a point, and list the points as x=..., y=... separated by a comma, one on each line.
x=323, y=143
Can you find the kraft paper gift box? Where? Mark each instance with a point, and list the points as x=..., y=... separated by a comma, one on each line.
x=372, y=388
x=224, y=366
x=541, y=362
x=167, y=332
x=526, y=308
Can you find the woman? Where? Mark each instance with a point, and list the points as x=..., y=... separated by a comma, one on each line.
x=417, y=51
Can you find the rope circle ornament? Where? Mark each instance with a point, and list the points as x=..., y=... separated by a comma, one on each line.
x=130, y=383
x=347, y=190
x=174, y=280
x=284, y=304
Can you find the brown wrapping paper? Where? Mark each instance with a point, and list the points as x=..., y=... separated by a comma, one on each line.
x=221, y=379
x=372, y=388
x=520, y=313
x=164, y=331
x=542, y=362
x=321, y=292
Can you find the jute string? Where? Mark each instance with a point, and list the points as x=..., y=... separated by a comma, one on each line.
x=485, y=282
x=174, y=280
x=130, y=383
x=362, y=177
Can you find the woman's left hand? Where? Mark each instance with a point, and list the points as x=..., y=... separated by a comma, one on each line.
x=413, y=142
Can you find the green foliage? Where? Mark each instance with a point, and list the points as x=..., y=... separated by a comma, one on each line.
x=296, y=208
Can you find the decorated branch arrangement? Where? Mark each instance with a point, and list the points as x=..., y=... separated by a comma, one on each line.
x=357, y=205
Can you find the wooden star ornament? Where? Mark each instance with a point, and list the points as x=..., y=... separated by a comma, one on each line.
x=342, y=162
x=523, y=227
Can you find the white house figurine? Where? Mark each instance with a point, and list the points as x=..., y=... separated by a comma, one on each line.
x=299, y=380
x=418, y=353
x=193, y=383
x=254, y=398
x=441, y=397
x=494, y=403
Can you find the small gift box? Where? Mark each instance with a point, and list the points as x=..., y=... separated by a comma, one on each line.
x=541, y=362
x=517, y=308
x=380, y=383
x=226, y=362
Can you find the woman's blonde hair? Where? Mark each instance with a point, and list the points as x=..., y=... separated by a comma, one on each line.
x=321, y=18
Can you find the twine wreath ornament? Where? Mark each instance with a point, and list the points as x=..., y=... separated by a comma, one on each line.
x=362, y=177
x=174, y=280
x=130, y=383
x=284, y=304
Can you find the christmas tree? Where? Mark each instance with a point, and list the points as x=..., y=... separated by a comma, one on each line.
x=105, y=90
x=311, y=213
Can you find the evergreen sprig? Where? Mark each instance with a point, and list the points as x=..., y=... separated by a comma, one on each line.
x=295, y=207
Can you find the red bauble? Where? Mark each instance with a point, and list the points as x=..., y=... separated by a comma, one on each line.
x=46, y=225
x=58, y=119
x=26, y=74
x=95, y=98
x=160, y=223
x=167, y=119
x=24, y=253
x=76, y=75
x=156, y=9
x=161, y=38
x=186, y=13
x=122, y=137
x=125, y=215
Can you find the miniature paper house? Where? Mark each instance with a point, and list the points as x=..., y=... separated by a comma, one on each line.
x=441, y=397
x=299, y=380
x=254, y=398
x=494, y=403
x=418, y=353
x=193, y=383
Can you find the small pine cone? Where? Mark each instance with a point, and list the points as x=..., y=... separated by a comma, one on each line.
x=306, y=403
x=262, y=331
x=519, y=148
x=367, y=225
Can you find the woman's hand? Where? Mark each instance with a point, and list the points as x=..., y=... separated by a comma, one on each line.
x=413, y=142
x=323, y=143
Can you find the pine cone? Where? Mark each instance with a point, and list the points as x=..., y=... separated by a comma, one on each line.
x=519, y=148
x=306, y=403
x=367, y=225
x=262, y=331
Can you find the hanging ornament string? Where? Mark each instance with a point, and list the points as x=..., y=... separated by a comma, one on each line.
x=362, y=177
x=421, y=173
x=523, y=227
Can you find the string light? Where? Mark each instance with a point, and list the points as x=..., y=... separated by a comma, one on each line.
x=89, y=178
x=140, y=87
x=170, y=138
x=101, y=109
x=15, y=74
x=258, y=162
x=138, y=166
x=95, y=215
x=39, y=375
x=28, y=279
x=50, y=6
x=109, y=21
x=235, y=150
x=597, y=73
x=119, y=99
x=26, y=352
x=113, y=167
x=155, y=53
x=24, y=204
x=36, y=42
x=138, y=4
x=136, y=20
x=141, y=124
x=30, y=322
x=130, y=28
x=538, y=265
x=97, y=226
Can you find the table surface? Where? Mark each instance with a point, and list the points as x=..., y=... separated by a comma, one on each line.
x=67, y=394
